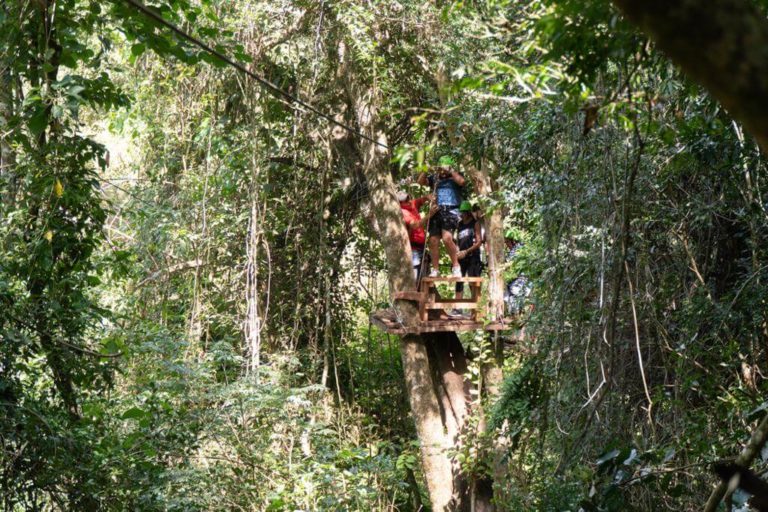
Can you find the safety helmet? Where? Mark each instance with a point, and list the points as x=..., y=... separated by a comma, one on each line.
x=446, y=160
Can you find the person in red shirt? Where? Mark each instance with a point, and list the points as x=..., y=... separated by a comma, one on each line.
x=415, y=224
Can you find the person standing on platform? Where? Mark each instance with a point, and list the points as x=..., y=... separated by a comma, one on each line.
x=470, y=239
x=447, y=185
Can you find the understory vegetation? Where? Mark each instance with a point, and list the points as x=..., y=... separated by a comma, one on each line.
x=188, y=262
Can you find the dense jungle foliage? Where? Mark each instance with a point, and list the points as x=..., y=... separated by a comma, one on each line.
x=188, y=262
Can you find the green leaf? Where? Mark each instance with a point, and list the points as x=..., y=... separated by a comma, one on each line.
x=39, y=120
x=75, y=91
x=276, y=504
x=134, y=413
x=137, y=49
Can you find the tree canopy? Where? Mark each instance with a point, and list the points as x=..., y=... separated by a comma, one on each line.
x=189, y=259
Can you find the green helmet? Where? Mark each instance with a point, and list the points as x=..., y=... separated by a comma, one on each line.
x=510, y=234
x=446, y=160
x=465, y=207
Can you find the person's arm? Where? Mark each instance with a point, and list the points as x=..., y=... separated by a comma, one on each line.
x=418, y=203
x=423, y=179
x=478, y=238
x=422, y=222
x=457, y=178
x=476, y=245
x=432, y=211
x=412, y=223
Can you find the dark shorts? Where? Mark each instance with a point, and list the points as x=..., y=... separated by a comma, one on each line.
x=471, y=266
x=446, y=219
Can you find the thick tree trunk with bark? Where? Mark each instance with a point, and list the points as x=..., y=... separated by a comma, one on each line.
x=481, y=493
x=449, y=371
x=722, y=44
x=434, y=367
x=425, y=405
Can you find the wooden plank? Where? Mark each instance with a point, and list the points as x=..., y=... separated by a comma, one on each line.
x=461, y=326
x=387, y=321
x=381, y=323
x=453, y=300
x=448, y=303
x=451, y=279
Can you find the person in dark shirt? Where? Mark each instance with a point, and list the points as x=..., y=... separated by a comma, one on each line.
x=447, y=184
x=470, y=239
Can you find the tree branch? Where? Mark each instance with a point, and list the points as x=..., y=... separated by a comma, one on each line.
x=745, y=458
x=719, y=44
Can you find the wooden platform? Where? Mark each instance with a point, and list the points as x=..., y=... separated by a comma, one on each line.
x=428, y=299
x=432, y=307
x=387, y=321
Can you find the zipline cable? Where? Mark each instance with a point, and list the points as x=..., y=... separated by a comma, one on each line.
x=272, y=88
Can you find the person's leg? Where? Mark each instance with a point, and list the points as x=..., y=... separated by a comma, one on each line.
x=474, y=269
x=434, y=252
x=460, y=286
x=435, y=228
x=450, y=246
x=450, y=221
x=416, y=262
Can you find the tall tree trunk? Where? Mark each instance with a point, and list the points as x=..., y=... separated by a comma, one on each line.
x=326, y=280
x=491, y=372
x=720, y=44
x=252, y=324
x=449, y=372
x=418, y=365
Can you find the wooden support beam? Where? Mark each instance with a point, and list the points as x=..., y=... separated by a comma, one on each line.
x=454, y=303
x=451, y=279
x=387, y=321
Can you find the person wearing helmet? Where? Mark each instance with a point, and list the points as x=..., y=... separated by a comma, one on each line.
x=447, y=185
x=470, y=239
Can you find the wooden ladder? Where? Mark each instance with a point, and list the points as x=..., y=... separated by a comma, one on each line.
x=428, y=298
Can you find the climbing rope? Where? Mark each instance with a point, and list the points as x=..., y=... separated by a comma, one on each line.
x=426, y=235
